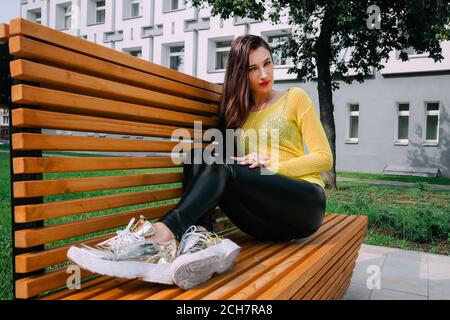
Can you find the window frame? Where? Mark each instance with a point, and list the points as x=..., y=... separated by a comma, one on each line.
x=427, y=113
x=222, y=49
x=97, y=9
x=350, y=114
x=272, y=47
x=397, y=141
x=176, y=54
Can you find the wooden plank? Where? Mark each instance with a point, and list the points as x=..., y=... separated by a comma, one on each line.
x=34, y=285
x=275, y=268
x=50, y=210
x=321, y=278
x=28, y=118
x=35, y=236
x=98, y=289
x=27, y=28
x=22, y=47
x=335, y=281
x=118, y=291
x=73, y=164
x=317, y=287
x=23, y=189
x=4, y=32
x=85, y=84
x=259, y=268
x=33, y=261
x=66, y=292
x=343, y=288
x=34, y=141
x=295, y=279
x=68, y=102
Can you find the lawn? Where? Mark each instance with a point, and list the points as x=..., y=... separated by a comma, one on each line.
x=403, y=217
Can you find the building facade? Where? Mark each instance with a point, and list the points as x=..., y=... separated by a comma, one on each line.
x=399, y=117
x=4, y=124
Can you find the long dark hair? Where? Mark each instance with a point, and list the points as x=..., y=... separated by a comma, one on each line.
x=237, y=100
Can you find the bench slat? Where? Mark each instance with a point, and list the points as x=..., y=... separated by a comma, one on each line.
x=89, y=85
x=26, y=48
x=286, y=287
x=44, y=235
x=34, y=141
x=56, y=164
x=321, y=278
x=316, y=289
x=33, y=30
x=28, y=118
x=38, y=188
x=68, y=102
x=44, y=211
x=4, y=32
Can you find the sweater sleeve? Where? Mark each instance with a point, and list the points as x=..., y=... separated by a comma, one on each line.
x=319, y=158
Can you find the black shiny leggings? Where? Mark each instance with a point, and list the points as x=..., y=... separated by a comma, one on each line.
x=267, y=207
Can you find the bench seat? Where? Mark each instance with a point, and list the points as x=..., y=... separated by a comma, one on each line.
x=317, y=267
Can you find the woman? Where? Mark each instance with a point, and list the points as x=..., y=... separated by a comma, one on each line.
x=286, y=203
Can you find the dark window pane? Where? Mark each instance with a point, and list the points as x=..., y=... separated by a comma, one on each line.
x=432, y=127
x=403, y=107
x=354, y=127
x=403, y=122
x=354, y=107
x=432, y=106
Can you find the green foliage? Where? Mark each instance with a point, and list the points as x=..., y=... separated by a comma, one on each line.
x=343, y=33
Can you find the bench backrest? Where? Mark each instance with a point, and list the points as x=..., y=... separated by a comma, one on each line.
x=63, y=83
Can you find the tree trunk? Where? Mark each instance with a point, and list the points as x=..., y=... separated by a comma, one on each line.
x=325, y=92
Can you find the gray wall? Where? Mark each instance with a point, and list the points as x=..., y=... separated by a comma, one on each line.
x=378, y=98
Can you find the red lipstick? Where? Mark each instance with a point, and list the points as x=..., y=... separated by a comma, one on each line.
x=265, y=83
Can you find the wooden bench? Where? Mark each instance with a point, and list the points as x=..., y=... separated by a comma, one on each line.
x=61, y=82
x=412, y=171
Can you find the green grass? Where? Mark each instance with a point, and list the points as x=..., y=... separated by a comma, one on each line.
x=402, y=217
x=375, y=176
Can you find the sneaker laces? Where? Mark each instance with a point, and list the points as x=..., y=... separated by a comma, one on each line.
x=129, y=235
x=193, y=240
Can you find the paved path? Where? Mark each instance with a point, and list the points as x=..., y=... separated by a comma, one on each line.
x=394, y=183
x=404, y=275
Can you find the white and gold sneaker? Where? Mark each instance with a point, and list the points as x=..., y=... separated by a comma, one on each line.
x=129, y=255
x=200, y=255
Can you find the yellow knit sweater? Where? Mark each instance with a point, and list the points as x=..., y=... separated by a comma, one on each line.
x=295, y=122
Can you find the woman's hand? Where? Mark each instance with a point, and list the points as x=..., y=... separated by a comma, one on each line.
x=253, y=159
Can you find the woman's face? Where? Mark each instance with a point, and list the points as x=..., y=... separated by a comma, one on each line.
x=260, y=71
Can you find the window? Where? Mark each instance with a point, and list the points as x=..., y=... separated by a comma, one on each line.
x=221, y=54
x=100, y=10
x=132, y=9
x=136, y=53
x=35, y=15
x=353, y=123
x=274, y=42
x=176, y=61
x=64, y=16
x=6, y=119
x=136, y=8
x=402, y=123
x=68, y=16
x=432, y=123
x=172, y=5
